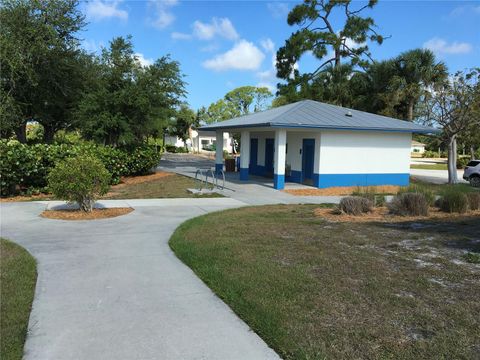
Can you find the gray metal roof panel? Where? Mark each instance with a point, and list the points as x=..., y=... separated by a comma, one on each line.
x=313, y=114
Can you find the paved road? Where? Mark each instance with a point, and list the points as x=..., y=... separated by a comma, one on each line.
x=435, y=176
x=113, y=289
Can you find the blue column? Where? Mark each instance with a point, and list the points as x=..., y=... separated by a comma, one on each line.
x=316, y=179
x=244, y=174
x=279, y=181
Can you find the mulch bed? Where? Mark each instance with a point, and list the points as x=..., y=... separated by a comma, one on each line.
x=381, y=214
x=80, y=215
x=341, y=190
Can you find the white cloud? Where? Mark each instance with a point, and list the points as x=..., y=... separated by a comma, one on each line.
x=93, y=46
x=180, y=36
x=163, y=15
x=243, y=56
x=278, y=10
x=268, y=45
x=143, y=61
x=441, y=47
x=269, y=86
x=98, y=10
x=218, y=26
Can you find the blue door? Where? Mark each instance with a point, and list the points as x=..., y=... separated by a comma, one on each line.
x=269, y=143
x=308, y=156
x=253, y=156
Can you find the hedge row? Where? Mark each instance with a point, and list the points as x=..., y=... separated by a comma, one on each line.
x=25, y=167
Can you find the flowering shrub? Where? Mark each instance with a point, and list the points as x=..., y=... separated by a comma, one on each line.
x=25, y=167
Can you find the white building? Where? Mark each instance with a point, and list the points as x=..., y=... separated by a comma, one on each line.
x=417, y=147
x=322, y=145
x=201, y=141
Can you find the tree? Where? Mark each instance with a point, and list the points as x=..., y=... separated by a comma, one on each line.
x=247, y=99
x=220, y=110
x=39, y=61
x=319, y=35
x=185, y=118
x=452, y=106
x=127, y=102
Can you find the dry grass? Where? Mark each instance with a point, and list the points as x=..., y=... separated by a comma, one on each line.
x=381, y=214
x=341, y=190
x=80, y=215
x=132, y=180
x=315, y=289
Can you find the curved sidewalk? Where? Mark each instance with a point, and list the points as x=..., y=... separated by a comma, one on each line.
x=113, y=289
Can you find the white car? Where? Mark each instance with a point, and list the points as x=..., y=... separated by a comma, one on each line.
x=472, y=173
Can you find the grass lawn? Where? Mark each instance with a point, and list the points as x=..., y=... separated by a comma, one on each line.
x=171, y=186
x=17, y=278
x=438, y=188
x=429, y=166
x=314, y=289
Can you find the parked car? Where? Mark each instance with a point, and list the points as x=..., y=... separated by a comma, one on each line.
x=472, y=173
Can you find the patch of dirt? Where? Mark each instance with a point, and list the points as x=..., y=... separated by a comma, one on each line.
x=131, y=180
x=80, y=215
x=381, y=214
x=341, y=190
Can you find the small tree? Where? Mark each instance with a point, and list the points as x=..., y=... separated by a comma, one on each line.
x=79, y=180
x=452, y=106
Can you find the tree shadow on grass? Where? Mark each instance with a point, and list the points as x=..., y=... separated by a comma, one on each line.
x=459, y=234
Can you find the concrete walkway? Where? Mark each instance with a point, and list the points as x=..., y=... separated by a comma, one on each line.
x=113, y=289
x=257, y=191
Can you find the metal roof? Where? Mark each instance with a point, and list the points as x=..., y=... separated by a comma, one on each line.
x=314, y=114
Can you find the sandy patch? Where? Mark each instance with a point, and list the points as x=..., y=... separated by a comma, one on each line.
x=381, y=214
x=27, y=198
x=132, y=180
x=341, y=190
x=80, y=215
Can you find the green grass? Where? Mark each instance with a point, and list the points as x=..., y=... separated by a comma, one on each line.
x=439, y=188
x=313, y=289
x=173, y=186
x=429, y=167
x=17, y=278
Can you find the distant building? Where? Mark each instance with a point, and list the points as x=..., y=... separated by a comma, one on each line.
x=417, y=147
x=201, y=141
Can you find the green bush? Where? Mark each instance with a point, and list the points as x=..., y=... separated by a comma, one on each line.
x=462, y=162
x=24, y=168
x=367, y=192
x=355, y=205
x=176, y=150
x=430, y=154
x=416, y=189
x=471, y=257
x=409, y=204
x=473, y=200
x=80, y=179
x=453, y=200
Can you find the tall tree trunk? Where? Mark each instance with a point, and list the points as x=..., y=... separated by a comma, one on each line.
x=452, y=160
x=411, y=105
x=472, y=152
x=48, y=134
x=21, y=133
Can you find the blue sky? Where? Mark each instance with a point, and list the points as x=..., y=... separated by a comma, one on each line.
x=225, y=44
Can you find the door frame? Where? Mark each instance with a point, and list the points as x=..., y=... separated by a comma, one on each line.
x=305, y=143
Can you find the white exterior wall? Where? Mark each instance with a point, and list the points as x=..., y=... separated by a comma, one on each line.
x=361, y=152
x=420, y=149
x=262, y=136
x=294, y=147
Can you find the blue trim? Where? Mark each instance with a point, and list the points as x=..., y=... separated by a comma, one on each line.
x=218, y=168
x=316, y=180
x=295, y=176
x=279, y=181
x=346, y=128
x=329, y=180
x=244, y=174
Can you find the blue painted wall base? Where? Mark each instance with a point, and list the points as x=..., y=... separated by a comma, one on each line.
x=218, y=168
x=279, y=181
x=244, y=174
x=330, y=180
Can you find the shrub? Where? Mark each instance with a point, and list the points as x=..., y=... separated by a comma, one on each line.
x=409, y=204
x=430, y=154
x=355, y=205
x=81, y=179
x=473, y=258
x=417, y=189
x=24, y=168
x=453, y=200
x=367, y=192
x=462, y=162
x=473, y=201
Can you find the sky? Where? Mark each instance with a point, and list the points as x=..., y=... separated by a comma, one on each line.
x=221, y=45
